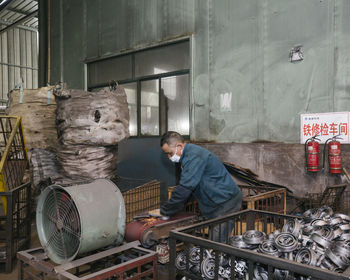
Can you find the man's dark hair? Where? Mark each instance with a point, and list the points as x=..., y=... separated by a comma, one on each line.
x=171, y=138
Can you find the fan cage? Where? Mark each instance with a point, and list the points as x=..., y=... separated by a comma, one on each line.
x=61, y=225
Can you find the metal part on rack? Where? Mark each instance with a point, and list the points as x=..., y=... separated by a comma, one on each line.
x=305, y=241
x=207, y=268
x=340, y=261
x=280, y=274
x=344, y=227
x=345, y=237
x=292, y=226
x=337, y=232
x=327, y=264
x=286, y=242
x=237, y=241
x=307, y=229
x=269, y=247
x=342, y=216
x=335, y=221
x=318, y=229
x=318, y=222
x=342, y=248
x=240, y=268
x=323, y=242
x=180, y=261
x=306, y=256
x=260, y=273
x=325, y=211
x=328, y=232
x=253, y=237
x=194, y=255
x=311, y=214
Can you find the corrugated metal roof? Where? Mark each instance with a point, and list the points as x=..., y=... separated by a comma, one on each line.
x=12, y=11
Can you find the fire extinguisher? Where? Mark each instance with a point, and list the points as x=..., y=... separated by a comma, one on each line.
x=334, y=158
x=312, y=154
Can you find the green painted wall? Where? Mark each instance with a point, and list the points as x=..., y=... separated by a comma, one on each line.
x=239, y=46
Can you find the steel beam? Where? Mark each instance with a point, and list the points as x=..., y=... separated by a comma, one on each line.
x=19, y=26
x=16, y=23
x=19, y=66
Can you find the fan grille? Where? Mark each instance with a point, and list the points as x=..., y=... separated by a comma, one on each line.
x=61, y=224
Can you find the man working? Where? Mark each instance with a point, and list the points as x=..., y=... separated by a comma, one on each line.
x=203, y=175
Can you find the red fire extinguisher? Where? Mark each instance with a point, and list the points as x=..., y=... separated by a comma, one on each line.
x=334, y=158
x=312, y=154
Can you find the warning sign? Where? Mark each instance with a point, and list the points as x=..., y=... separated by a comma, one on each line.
x=325, y=126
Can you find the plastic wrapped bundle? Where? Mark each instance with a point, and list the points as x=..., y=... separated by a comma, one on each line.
x=37, y=108
x=92, y=118
x=88, y=161
x=44, y=166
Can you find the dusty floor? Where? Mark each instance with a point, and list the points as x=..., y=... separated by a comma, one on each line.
x=33, y=244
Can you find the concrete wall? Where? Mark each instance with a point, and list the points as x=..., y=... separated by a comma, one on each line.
x=282, y=164
x=239, y=46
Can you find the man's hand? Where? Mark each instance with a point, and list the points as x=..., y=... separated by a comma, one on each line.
x=176, y=202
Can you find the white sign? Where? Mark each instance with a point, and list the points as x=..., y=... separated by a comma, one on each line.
x=325, y=126
x=225, y=101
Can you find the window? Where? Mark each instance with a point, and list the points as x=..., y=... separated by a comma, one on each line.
x=156, y=83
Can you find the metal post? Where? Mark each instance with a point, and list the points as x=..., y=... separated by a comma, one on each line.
x=43, y=42
x=172, y=258
x=9, y=232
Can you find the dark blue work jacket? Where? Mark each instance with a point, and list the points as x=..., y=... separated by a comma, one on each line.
x=204, y=176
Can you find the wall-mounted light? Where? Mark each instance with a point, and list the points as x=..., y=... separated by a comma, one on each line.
x=296, y=54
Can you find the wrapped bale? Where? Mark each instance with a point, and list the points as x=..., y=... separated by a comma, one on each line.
x=46, y=170
x=88, y=161
x=44, y=167
x=92, y=118
x=38, y=116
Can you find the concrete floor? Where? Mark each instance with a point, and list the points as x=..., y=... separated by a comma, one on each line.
x=34, y=243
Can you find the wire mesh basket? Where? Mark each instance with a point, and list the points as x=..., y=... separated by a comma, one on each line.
x=141, y=199
x=258, y=198
x=335, y=197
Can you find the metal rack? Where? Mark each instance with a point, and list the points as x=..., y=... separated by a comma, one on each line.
x=335, y=197
x=15, y=228
x=13, y=152
x=125, y=262
x=272, y=200
x=201, y=236
x=142, y=199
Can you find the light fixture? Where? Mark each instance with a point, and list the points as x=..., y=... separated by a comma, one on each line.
x=3, y=2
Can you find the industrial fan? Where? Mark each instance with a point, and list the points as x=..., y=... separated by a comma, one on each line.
x=78, y=219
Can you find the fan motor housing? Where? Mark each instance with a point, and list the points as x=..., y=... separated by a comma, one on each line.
x=74, y=220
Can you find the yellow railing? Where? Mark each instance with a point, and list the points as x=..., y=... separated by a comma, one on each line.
x=14, y=157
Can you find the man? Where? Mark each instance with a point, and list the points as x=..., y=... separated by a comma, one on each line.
x=203, y=175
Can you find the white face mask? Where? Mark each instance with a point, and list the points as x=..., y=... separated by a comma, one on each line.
x=175, y=157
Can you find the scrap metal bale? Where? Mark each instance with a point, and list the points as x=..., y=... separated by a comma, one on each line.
x=92, y=118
